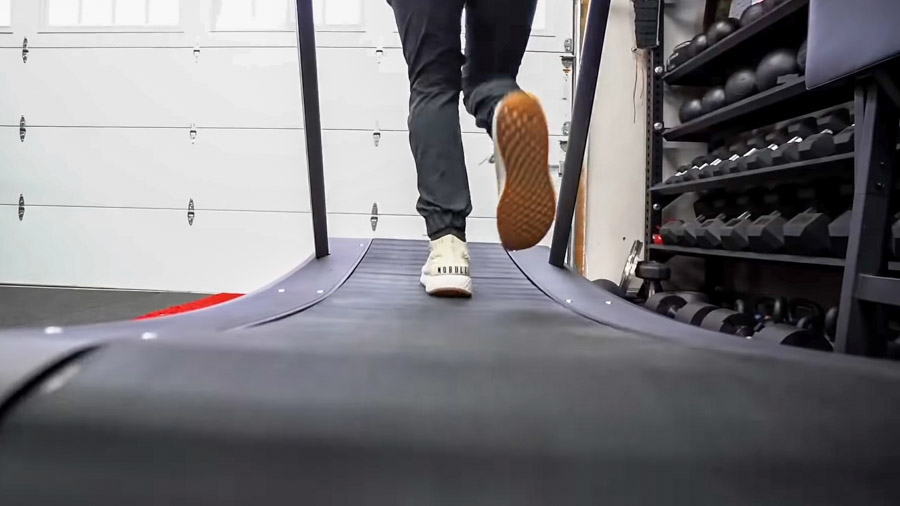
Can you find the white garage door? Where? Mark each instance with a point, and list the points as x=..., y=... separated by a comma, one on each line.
x=132, y=110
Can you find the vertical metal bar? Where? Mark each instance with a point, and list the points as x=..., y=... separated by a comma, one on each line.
x=309, y=83
x=655, y=70
x=591, y=54
x=861, y=324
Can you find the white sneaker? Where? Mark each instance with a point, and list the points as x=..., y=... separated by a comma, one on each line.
x=527, y=204
x=446, y=273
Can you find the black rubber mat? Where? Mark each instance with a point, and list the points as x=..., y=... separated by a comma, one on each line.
x=34, y=306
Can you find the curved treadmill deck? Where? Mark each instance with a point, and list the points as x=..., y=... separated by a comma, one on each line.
x=379, y=394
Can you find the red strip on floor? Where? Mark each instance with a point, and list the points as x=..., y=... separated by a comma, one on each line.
x=192, y=306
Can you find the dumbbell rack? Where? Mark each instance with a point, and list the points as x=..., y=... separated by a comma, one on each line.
x=786, y=101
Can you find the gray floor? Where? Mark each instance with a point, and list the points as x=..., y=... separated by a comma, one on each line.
x=38, y=306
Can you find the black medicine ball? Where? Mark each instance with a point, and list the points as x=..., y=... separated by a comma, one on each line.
x=753, y=13
x=801, y=57
x=690, y=109
x=713, y=100
x=721, y=29
x=778, y=63
x=699, y=44
x=741, y=84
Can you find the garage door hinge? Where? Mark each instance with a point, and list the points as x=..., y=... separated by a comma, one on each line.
x=21, y=207
x=567, y=127
x=23, y=129
x=197, y=53
x=569, y=45
x=374, y=219
x=376, y=136
x=191, y=213
x=563, y=146
x=193, y=133
x=25, y=50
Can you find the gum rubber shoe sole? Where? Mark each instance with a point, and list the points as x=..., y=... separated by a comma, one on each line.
x=527, y=204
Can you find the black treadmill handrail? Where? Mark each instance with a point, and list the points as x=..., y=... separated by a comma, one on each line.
x=309, y=84
x=585, y=88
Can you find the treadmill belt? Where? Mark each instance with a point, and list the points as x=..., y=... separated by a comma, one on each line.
x=381, y=395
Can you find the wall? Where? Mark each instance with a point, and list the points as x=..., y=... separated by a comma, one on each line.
x=617, y=148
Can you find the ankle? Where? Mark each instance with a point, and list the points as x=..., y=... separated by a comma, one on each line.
x=459, y=234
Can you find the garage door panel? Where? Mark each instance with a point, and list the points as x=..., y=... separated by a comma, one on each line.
x=109, y=87
x=13, y=87
x=260, y=87
x=97, y=167
x=288, y=39
x=152, y=249
x=263, y=170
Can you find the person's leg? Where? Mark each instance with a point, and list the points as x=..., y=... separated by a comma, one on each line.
x=497, y=33
x=430, y=35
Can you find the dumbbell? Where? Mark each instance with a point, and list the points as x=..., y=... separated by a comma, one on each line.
x=823, y=143
x=766, y=310
x=731, y=322
x=710, y=163
x=803, y=328
x=830, y=324
x=839, y=228
x=693, y=313
x=692, y=231
x=839, y=234
x=710, y=233
x=843, y=142
x=699, y=166
x=789, y=152
x=678, y=176
x=719, y=156
x=807, y=234
x=668, y=303
x=761, y=158
x=738, y=150
x=766, y=233
x=734, y=235
x=672, y=232
x=806, y=144
x=790, y=335
x=610, y=286
x=895, y=236
x=689, y=172
x=681, y=173
x=653, y=274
